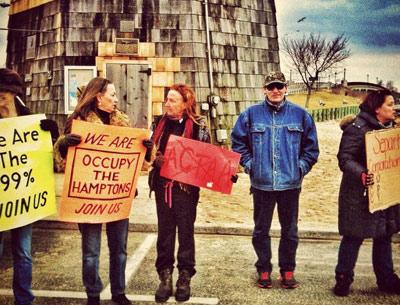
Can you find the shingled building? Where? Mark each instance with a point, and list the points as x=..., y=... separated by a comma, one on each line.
x=222, y=48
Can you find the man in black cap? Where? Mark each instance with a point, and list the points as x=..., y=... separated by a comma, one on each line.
x=11, y=105
x=278, y=144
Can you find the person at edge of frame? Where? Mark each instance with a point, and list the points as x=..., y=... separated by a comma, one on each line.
x=355, y=220
x=11, y=105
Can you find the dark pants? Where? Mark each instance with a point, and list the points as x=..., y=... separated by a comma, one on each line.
x=117, y=236
x=288, y=208
x=381, y=257
x=181, y=216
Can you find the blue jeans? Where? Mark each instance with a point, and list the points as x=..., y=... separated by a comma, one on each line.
x=381, y=257
x=21, y=240
x=117, y=237
x=288, y=208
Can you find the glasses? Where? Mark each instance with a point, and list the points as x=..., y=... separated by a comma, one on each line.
x=272, y=86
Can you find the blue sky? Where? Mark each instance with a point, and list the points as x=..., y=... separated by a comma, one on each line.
x=373, y=27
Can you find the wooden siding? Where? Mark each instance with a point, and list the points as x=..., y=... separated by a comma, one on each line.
x=172, y=34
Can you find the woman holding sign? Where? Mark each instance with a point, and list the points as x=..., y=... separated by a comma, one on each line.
x=11, y=105
x=176, y=202
x=98, y=104
x=355, y=221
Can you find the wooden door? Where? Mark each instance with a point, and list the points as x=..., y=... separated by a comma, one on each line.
x=132, y=84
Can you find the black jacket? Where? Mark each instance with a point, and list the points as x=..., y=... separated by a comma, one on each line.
x=355, y=220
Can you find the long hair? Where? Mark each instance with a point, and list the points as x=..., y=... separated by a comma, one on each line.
x=189, y=99
x=374, y=100
x=87, y=100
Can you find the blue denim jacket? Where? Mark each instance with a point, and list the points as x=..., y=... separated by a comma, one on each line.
x=278, y=146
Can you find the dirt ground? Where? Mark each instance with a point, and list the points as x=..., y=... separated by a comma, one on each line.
x=318, y=199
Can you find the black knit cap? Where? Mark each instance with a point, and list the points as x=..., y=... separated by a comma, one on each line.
x=10, y=81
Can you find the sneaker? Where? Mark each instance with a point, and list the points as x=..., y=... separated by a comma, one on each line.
x=287, y=280
x=264, y=279
x=342, y=287
x=93, y=300
x=121, y=299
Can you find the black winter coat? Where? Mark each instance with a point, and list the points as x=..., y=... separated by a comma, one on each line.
x=355, y=220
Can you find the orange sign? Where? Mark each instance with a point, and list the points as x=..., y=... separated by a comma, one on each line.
x=101, y=173
x=383, y=160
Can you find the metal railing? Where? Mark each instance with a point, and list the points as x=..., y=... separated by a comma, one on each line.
x=326, y=114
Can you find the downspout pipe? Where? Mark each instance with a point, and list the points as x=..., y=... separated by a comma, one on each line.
x=210, y=69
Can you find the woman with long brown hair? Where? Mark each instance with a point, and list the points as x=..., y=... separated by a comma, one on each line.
x=98, y=104
x=176, y=202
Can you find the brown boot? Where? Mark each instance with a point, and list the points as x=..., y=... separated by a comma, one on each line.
x=182, y=293
x=164, y=290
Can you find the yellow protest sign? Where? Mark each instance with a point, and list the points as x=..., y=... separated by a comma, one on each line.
x=383, y=160
x=27, y=191
x=101, y=173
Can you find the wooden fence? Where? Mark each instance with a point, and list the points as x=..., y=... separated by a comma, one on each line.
x=325, y=114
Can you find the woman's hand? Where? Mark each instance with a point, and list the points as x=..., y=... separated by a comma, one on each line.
x=367, y=179
x=149, y=147
x=69, y=140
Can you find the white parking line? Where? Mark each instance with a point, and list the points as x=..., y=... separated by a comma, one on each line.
x=133, y=263
x=132, y=297
x=132, y=266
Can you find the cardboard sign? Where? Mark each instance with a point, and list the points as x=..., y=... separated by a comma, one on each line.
x=101, y=173
x=383, y=160
x=27, y=189
x=199, y=164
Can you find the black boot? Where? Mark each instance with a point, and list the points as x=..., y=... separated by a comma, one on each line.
x=182, y=293
x=390, y=285
x=342, y=287
x=93, y=300
x=164, y=290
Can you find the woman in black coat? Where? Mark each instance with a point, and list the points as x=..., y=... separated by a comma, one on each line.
x=355, y=221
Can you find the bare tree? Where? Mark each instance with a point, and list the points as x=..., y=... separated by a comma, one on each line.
x=314, y=54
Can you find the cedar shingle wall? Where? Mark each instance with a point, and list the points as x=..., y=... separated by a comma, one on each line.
x=243, y=37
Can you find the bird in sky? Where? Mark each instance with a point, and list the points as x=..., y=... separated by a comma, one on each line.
x=301, y=19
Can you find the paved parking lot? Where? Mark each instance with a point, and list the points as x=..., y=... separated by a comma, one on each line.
x=226, y=274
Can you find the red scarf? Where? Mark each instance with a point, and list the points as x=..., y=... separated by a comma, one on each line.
x=187, y=133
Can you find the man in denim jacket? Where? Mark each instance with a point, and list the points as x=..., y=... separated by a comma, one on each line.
x=278, y=144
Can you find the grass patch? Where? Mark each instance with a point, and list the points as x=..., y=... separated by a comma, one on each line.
x=329, y=99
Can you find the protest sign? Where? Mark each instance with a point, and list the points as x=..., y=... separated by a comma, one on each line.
x=101, y=173
x=383, y=160
x=199, y=164
x=27, y=191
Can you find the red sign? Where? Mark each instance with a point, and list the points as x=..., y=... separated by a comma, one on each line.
x=199, y=164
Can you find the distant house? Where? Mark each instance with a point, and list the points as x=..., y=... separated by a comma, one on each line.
x=144, y=47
